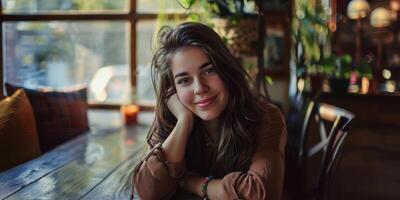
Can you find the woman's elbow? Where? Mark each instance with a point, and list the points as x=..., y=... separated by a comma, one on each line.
x=245, y=186
x=257, y=191
x=149, y=187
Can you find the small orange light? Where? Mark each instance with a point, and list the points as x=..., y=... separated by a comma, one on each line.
x=130, y=113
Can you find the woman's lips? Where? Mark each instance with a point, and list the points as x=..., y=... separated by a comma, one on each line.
x=205, y=102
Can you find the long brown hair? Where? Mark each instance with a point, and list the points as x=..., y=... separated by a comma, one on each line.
x=243, y=110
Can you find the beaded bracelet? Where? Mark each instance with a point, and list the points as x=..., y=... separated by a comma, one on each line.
x=204, y=187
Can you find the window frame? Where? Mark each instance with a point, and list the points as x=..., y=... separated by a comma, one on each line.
x=132, y=17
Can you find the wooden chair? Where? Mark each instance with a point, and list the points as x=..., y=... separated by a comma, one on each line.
x=372, y=149
x=330, y=142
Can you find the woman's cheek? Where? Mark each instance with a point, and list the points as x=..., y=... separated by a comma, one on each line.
x=186, y=96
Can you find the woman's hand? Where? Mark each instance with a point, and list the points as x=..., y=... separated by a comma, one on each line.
x=174, y=146
x=179, y=110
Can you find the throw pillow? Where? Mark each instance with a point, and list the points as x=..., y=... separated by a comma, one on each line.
x=60, y=115
x=18, y=136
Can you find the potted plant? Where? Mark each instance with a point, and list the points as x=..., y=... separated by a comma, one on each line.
x=231, y=20
x=310, y=36
x=338, y=69
x=220, y=8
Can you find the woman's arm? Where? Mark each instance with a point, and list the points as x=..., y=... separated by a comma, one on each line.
x=157, y=175
x=264, y=179
x=194, y=184
x=175, y=145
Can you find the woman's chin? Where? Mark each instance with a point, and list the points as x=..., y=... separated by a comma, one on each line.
x=207, y=116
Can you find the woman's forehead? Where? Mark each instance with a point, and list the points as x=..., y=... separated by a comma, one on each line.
x=190, y=58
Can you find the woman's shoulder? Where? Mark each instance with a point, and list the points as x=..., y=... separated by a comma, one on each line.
x=271, y=131
x=270, y=113
x=272, y=121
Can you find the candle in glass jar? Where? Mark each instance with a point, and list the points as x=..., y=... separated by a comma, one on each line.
x=130, y=113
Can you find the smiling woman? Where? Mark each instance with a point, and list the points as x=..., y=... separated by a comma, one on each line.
x=212, y=136
x=197, y=84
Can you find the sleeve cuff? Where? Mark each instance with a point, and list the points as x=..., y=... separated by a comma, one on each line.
x=156, y=161
x=248, y=185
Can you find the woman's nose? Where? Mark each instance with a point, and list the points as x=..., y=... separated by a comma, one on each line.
x=200, y=86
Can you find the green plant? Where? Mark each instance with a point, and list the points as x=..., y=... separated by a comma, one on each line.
x=219, y=8
x=340, y=67
x=311, y=49
x=336, y=66
x=310, y=36
x=364, y=70
x=234, y=20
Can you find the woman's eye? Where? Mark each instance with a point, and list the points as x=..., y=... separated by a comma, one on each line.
x=210, y=70
x=182, y=81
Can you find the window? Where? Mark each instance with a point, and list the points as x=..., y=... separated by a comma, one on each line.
x=59, y=54
x=64, y=6
x=155, y=6
x=61, y=43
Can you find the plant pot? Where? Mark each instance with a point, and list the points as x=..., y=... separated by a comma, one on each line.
x=241, y=36
x=339, y=85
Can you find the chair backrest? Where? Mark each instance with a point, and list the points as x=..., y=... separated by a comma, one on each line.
x=331, y=140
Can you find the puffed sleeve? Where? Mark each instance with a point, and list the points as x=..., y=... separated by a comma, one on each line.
x=154, y=177
x=264, y=179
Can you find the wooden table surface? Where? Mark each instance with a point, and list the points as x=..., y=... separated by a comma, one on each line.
x=96, y=165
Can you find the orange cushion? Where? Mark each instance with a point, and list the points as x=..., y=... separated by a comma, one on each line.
x=18, y=136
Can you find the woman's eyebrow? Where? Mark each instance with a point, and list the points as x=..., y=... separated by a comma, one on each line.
x=202, y=66
x=180, y=74
x=205, y=64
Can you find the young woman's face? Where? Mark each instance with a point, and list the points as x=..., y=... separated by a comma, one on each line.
x=198, y=85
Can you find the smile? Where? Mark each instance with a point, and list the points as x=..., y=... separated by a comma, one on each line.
x=205, y=102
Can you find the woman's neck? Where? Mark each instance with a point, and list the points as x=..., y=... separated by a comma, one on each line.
x=212, y=127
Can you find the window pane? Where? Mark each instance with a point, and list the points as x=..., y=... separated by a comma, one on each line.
x=156, y=6
x=62, y=54
x=45, y=6
x=147, y=30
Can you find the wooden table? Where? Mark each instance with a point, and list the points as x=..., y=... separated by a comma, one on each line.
x=96, y=165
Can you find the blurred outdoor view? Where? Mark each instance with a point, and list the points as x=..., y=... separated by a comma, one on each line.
x=61, y=54
x=45, y=6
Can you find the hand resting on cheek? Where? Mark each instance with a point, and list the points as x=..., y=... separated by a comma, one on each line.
x=178, y=109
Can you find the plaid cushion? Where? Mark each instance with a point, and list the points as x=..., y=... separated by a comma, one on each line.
x=18, y=136
x=60, y=115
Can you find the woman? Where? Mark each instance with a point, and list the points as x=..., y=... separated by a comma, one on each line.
x=211, y=136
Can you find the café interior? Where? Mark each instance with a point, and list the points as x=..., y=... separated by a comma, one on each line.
x=77, y=101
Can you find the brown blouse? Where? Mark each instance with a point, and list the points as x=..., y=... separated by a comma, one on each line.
x=156, y=178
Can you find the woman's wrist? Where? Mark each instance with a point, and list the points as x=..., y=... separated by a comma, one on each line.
x=204, y=187
x=186, y=122
x=193, y=185
x=186, y=118
x=175, y=144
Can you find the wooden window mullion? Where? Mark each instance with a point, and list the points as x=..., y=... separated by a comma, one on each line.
x=1, y=54
x=133, y=60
